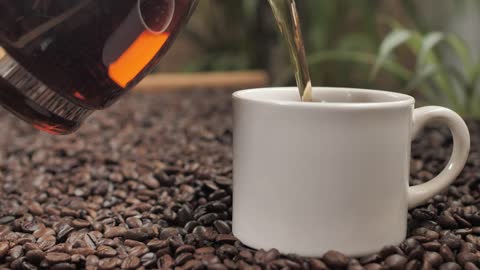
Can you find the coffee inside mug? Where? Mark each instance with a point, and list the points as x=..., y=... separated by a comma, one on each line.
x=323, y=95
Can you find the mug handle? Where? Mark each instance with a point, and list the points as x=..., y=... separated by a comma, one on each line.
x=419, y=194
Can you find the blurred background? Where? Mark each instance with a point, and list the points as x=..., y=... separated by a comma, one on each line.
x=427, y=48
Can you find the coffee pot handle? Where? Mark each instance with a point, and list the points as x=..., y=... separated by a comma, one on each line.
x=420, y=194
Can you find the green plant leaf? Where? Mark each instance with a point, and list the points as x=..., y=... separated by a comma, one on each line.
x=474, y=77
x=474, y=105
x=457, y=75
x=359, y=41
x=420, y=77
x=461, y=50
x=428, y=43
x=391, y=41
x=392, y=67
x=441, y=79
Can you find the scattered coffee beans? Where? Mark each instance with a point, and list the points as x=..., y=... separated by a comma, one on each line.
x=147, y=185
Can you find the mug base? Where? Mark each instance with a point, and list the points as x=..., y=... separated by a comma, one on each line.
x=317, y=251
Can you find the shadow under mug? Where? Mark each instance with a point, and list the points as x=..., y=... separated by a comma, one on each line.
x=315, y=176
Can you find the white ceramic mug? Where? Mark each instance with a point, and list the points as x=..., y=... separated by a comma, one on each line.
x=311, y=177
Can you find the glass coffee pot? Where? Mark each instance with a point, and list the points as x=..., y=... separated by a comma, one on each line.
x=60, y=60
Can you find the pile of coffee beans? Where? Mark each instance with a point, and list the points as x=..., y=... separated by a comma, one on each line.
x=147, y=185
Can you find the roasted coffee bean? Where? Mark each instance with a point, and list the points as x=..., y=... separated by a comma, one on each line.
x=218, y=266
x=246, y=256
x=426, y=266
x=447, y=221
x=57, y=257
x=209, y=259
x=83, y=251
x=156, y=244
x=130, y=263
x=450, y=266
x=226, y=238
x=63, y=266
x=464, y=257
x=260, y=256
x=193, y=264
x=432, y=246
x=80, y=223
x=468, y=247
x=474, y=218
x=223, y=181
x=184, y=215
x=150, y=181
x=134, y=222
x=141, y=234
x=451, y=241
x=164, y=251
x=185, y=249
x=77, y=258
x=431, y=235
x=28, y=266
x=461, y=221
x=208, y=219
x=395, y=262
x=191, y=225
x=463, y=232
x=148, y=259
x=476, y=230
x=226, y=251
x=168, y=232
x=316, y=264
x=139, y=250
x=373, y=266
x=222, y=227
x=470, y=266
x=413, y=265
x=35, y=256
x=433, y=258
x=133, y=243
x=113, y=232
x=35, y=208
x=4, y=247
x=92, y=260
x=106, y=251
x=205, y=233
x=416, y=253
x=6, y=219
x=15, y=252
x=217, y=206
x=271, y=255
x=183, y=258
x=370, y=258
x=473, y=239
x=43, y=232
x=350, y=267
x=408, y=245
x=63, y=231
x=30, y=246
x=166, y=262
x=389, y=250
x=63, y=248
x=423, y=214
x=109, y=263
x=17, y=263
x=335, y=259
x=446, y=253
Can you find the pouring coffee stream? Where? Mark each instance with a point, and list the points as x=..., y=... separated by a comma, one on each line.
x=286, y=15
x=62, y=60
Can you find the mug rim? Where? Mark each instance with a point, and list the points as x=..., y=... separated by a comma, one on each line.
x=395, y=99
